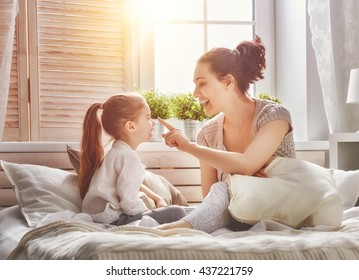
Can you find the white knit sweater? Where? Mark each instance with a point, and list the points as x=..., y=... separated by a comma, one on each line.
x=211, y=133
x=114, y=187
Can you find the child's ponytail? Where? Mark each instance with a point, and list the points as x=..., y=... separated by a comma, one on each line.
x=92, y=151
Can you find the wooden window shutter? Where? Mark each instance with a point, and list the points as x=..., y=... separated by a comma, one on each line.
x=77, y=59
x=12, y=123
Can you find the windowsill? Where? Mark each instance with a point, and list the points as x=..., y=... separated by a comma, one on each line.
x=28, y=147
x=312, y=146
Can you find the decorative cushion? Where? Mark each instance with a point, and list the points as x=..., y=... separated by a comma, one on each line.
x=296, y=193
x=42, y=190
x=155, y=182
x=74, y=157
x=347, y=183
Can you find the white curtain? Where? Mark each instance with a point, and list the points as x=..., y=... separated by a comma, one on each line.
x=9, y=10
x=335, y=37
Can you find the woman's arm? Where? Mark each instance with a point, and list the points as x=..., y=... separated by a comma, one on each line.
x=208, y=178
x=249, y=162
x=159, y=201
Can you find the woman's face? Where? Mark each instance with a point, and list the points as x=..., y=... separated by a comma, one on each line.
x=208, y=89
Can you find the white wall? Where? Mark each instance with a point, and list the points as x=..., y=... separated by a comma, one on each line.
x=297, y=81
x=291, y=52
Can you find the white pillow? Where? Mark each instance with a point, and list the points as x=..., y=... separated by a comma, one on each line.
x=42, y=190
x=347, y=183
x=297, y=193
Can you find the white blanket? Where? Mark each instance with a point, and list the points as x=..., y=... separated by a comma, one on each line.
x=266, y=240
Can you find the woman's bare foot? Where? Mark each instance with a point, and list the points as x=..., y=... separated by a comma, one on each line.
x=177, y=224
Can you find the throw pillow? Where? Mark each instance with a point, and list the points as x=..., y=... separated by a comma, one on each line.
x=347, y=183
x=74, y=157
x=42, y=190
x=296, y=193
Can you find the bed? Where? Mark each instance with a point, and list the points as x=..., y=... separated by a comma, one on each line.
x=46, y=222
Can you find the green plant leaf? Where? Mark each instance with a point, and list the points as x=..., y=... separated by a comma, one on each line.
x=159, y=103
x=267, y=96
x=185, y=106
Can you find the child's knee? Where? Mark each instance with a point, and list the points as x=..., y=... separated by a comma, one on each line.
x=177, y=211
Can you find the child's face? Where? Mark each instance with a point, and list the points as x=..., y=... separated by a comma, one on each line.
x=144, y=125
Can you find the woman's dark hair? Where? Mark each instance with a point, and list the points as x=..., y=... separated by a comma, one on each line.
x=245, y=63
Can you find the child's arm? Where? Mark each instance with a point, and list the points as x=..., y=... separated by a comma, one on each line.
x=159, y=201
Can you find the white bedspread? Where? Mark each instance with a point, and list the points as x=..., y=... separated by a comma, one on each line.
x=266, y=240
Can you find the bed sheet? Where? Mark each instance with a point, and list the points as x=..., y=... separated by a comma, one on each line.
x=76, y=239
x=12, y=228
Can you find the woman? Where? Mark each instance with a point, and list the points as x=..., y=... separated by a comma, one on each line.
x=241, y=139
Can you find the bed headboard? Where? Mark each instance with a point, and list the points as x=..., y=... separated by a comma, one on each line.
x=181, y=169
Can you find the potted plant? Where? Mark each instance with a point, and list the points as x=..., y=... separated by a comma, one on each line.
x=185, y=107
x=264, y=95
x=160, y=106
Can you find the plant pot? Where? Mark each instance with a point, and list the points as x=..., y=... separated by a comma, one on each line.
x=191, y=128
x=158, y=129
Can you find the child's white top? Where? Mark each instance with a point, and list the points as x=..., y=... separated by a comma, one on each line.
x=114, y=187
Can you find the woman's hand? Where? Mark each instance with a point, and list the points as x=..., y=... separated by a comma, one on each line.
x=260, y=173
x=174, y=137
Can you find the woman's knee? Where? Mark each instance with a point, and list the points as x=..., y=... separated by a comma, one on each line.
x=219, y=189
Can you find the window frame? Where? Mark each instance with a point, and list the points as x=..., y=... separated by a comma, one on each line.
x=144, y=65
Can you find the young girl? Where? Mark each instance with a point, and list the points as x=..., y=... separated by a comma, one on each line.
x=110, y=184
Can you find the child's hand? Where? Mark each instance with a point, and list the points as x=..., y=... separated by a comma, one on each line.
x=161, y=203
